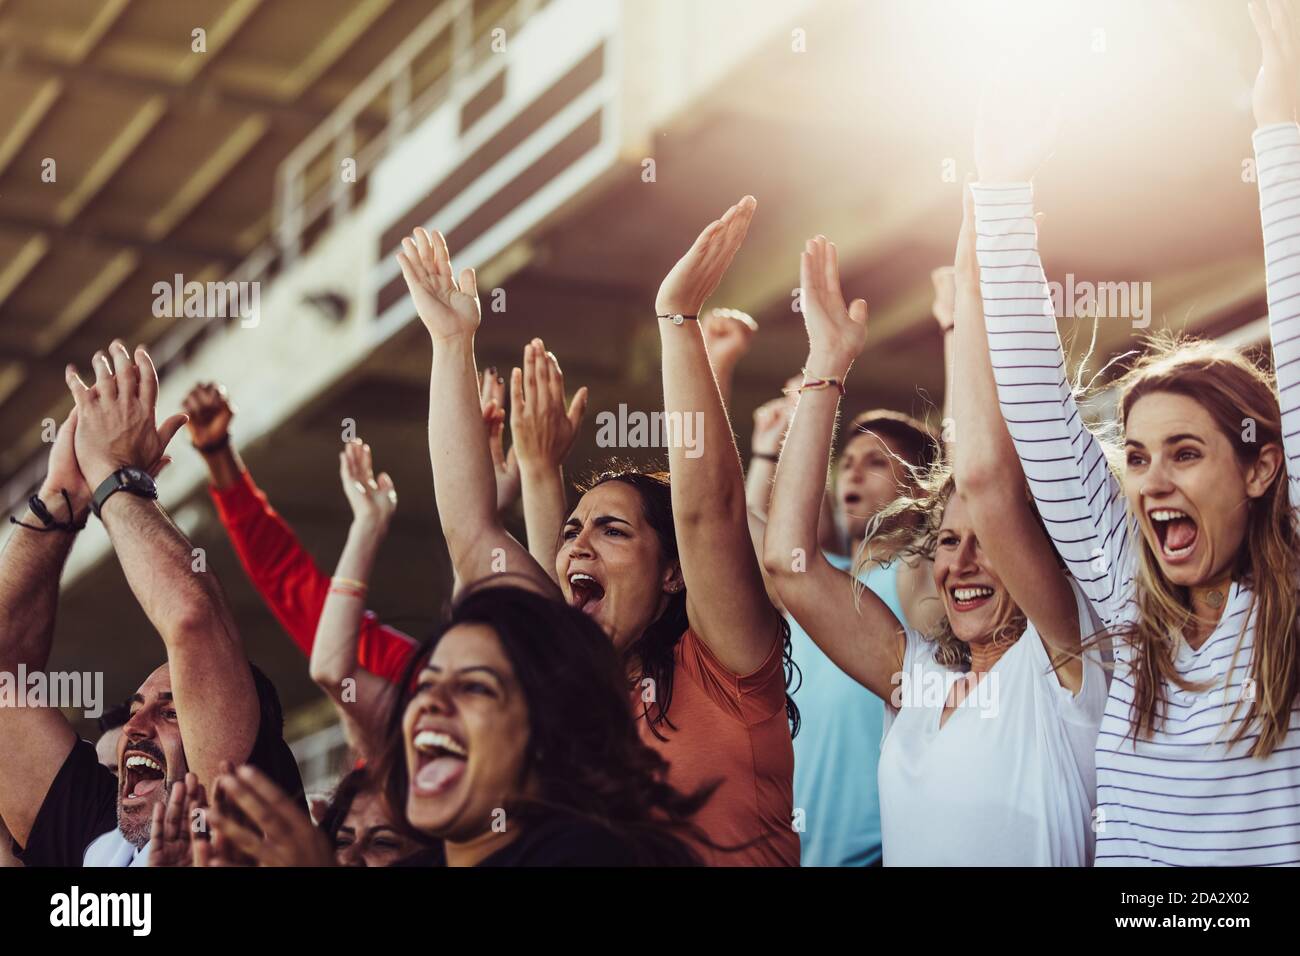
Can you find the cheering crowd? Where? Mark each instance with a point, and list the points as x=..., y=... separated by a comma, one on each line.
x=1031, y=642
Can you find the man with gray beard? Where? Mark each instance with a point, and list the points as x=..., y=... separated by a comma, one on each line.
x=205, y=706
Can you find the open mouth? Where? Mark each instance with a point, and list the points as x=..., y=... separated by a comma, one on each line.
x=968, y=597
x=1176, y=532
x=852, y=500
x=585, y=592
x=142, y=775
x=440, y=762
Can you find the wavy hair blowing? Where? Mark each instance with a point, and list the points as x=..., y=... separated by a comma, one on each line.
x=583, y=746
x=909, y=527
x=1232, y=389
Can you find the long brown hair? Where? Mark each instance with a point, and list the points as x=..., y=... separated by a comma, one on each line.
x=1234, y=392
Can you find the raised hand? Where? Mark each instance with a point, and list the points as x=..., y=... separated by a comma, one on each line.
x=115, y=416
x=373, y=501
x=1019, y=120
x=944, y=294
x=692, y=280
x=448, y=309
x=210, y=411
x=837, y=333
x=287, y=836
x=728, y=334
x=771, y=419
x=1274, y=98
x=65, y=474
x=492, y=398
x=172, y=829
x=542, y=428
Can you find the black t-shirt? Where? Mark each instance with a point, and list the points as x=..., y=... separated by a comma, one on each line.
x=81, y=804
x=554, y=841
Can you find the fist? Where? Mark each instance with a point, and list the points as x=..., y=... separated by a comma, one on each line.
x=210, y=411
x=728, y=334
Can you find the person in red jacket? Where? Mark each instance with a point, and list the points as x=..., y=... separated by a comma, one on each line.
x=277, y=564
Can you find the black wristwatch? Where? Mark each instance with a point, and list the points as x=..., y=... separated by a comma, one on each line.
x=135, y=480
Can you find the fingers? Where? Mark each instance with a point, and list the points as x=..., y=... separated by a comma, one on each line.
x=103, y=368
x=148, y=383
x=554, y=378
x=516, y=396
x=858, y=311
x=228, y=832
x=442, y=257
x=75, y=385
x=831, y=263
x=469, y=282
x=547, y=373
x=156, y=830
x=530, y=373
x=125, y=372
x=578, y=408
x=1268, y=37
x=386, y=487
x=265, y=804
x=1282, y=30
x=424, y=250
x=175, y=812
x=414, y=276
x=168, y=429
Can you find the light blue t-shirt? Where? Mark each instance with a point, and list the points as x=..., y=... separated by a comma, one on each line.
x=838, y=747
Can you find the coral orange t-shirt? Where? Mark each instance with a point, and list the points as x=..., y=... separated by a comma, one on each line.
x=734, y=729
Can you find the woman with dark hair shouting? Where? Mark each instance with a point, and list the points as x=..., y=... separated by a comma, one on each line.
x=666, y=569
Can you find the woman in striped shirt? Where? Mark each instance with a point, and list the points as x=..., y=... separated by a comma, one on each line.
x=1191, y=557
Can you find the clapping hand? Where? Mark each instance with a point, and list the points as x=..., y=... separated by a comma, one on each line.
x=373, y=500
x=492, y=399
x=542, y=428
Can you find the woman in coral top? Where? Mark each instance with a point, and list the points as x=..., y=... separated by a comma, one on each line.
x=666, y=568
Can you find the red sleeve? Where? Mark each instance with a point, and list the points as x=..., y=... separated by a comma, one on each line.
x=289, y=581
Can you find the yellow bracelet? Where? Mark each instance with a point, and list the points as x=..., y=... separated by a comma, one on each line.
x=351, y=582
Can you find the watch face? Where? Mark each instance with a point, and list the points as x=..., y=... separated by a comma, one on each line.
x=135, y=476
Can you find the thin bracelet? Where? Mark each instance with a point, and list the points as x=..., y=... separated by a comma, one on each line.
x=350, y=582
x=676, y=317
x=814, y=385
x=348, y=592
x=765, y=456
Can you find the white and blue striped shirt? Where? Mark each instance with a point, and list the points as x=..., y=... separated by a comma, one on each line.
x=1183, y=797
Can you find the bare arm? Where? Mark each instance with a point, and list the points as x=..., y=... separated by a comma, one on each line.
x=211, y=680
x=464, y=482
x=358, y=696
x=989, y=476
x=34, y=741
x=726, y=601
x=864, y=640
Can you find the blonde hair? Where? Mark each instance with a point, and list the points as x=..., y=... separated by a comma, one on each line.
x=909, y=528
x=1232, y=390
